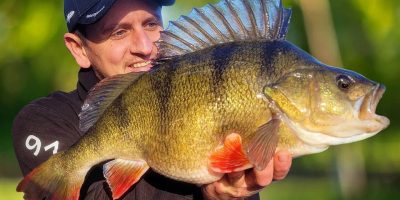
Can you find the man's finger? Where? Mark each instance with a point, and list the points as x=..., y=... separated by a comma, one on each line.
x=236, y=179
x=282, y=163
x=222, y=191
x=263, y=177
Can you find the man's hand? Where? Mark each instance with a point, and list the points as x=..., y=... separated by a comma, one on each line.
x=239, y=185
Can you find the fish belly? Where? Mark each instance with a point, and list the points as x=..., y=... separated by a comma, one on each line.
x=201, y=175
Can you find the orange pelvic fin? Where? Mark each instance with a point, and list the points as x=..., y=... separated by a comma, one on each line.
x=230, y=157
x=45, y=183
x=122, y=174
x=262, y=146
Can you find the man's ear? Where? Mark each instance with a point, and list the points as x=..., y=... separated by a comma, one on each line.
x=75, y=45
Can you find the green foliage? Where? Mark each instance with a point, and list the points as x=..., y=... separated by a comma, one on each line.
x=316, y=188
x=7, y=189
x=33, y=59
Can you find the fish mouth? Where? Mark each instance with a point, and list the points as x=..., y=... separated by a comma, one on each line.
x=368, y=109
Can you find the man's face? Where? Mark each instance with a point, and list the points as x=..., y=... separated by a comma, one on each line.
x=123, y=40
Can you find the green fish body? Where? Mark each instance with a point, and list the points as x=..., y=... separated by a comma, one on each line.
x=218, y=102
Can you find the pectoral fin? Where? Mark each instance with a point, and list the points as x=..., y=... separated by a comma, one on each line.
x=122, y=174
x=261, y=148
x=230, y=157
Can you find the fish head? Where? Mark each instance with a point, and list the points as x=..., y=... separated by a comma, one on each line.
x=326, y=105
x=343, y=103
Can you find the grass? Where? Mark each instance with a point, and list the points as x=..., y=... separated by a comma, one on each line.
x=310, y=188
x=301, y=188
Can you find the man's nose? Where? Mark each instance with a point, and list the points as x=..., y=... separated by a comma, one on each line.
x=141, y=43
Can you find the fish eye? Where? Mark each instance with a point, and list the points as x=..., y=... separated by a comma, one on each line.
x=343, y=82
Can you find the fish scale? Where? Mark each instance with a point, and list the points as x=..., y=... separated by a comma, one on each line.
x=198, y=113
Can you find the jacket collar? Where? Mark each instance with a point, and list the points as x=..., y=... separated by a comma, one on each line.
x=86, y=80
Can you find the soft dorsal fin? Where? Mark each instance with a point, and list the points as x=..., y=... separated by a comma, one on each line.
x=101, y=96
x=226, y=21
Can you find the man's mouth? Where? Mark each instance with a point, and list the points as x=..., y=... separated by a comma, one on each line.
x=140, y=64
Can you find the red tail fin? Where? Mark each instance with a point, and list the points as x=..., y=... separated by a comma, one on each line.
x=49, y=181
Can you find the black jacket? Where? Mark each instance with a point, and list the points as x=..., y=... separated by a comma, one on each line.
x=51, y=124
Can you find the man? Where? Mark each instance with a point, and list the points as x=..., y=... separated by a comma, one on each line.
x=109, y=37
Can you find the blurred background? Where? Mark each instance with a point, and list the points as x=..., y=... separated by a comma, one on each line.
x=361, y=35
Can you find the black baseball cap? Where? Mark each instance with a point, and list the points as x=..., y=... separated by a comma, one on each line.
x=90, y=11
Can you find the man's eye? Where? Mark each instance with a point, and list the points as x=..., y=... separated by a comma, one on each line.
x=119, y=33
x=152, y=25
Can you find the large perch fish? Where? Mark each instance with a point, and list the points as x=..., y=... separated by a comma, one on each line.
x=228, y=91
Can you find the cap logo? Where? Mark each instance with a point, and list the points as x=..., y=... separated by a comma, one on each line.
x=70, y=15
x=96, y=13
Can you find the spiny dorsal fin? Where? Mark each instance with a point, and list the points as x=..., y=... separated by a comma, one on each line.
x=226, y=21
x=101, y=96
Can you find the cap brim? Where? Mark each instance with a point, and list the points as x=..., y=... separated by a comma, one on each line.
x=166, y=2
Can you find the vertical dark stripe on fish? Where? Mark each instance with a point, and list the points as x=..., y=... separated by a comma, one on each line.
x=121, y=113
x=268, y=59
x=162, y=87
x=221, y=58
